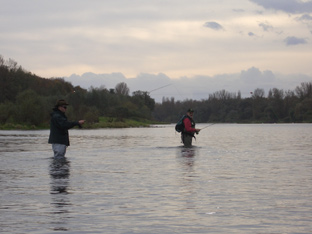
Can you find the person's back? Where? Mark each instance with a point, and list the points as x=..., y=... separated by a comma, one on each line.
x=58, y=130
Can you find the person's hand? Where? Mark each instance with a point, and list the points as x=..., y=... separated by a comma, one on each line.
x=81, y=122
x=197, y=131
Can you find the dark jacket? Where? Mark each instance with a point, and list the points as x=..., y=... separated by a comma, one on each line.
x=59, y=128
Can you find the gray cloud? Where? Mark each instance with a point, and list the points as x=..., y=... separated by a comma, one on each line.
x=251, y=34
x=197, y=87
x=254, y=76
x=265, y=27
x=289, y=6
x=294, y=41
x=305, y=17
x=213, y=25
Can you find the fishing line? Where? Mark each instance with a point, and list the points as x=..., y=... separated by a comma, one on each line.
x=207, y=126
x=182, y=98
x=160, y=88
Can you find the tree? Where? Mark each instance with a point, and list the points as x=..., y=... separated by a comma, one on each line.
x=142, y=98
x=29, y=108
x=290, y=102
x=303, y=110
x=144, y=102
x=259, y=105
x=92, y=115
x=222, y=95
x=258, y=93
x=275, y=105
x=6, y=112
x=122, y=89
x=304, y=91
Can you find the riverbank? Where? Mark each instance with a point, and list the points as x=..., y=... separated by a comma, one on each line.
x=104, y=122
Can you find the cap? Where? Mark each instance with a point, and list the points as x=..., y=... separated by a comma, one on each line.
x=190, y=110
x=61, y=103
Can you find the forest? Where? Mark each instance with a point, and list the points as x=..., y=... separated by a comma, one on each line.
x=27, y=100
x=279, y=106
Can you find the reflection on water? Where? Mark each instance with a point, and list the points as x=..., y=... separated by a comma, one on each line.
x=187, y=155
x=59, y=172
x=188, y=152
x=60, y=178
x=236, y=179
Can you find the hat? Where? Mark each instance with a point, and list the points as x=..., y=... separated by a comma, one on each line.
x=61, y=103
x=190, y=110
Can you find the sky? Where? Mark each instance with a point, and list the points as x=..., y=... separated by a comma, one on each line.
x=193, y=47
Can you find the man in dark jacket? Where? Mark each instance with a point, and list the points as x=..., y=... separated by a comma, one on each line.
x=189, y=129
x=59, y=126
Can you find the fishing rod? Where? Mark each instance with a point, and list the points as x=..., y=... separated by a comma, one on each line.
x=207, y=126
x=160, y=88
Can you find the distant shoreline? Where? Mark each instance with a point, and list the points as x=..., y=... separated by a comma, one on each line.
x=118, y=124
x=104, y=122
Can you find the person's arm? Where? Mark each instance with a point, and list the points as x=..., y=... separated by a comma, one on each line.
x=62, y=123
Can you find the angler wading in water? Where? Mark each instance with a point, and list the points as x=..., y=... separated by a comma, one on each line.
x=189, y=129
x=59, y=126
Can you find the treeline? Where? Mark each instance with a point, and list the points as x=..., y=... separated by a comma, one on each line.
x=278, y=106
x=26, y=99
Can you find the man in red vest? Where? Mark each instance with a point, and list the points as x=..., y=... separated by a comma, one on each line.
x=189, y=129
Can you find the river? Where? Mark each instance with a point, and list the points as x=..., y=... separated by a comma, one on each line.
x=238, y=178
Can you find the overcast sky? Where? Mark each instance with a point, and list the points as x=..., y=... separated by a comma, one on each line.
x=216, y=42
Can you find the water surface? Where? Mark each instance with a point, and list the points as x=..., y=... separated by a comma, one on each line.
x=236, y=179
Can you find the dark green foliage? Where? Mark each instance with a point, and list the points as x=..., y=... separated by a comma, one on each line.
x=224, y=107
x=26, y=99
x=28, y=108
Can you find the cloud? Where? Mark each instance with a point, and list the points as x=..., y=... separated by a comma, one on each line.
x=265, y=27
x=254, y=76
x=289, y=6
x=294, y=41
x=305, y=17
x=178, y=37
x=197, y=87
x=213, y=25
x=239, y=10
